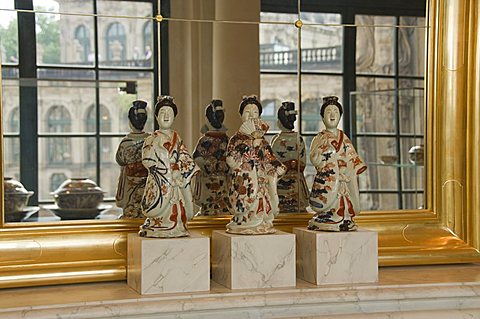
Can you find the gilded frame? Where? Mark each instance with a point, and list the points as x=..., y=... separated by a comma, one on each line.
x=446, y=232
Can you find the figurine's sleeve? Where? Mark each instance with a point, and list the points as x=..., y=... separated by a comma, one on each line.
x=233, y=154
x=120, y=155
x=148, y=152
x=358, y=165
x=187, y=165
x=273, y=161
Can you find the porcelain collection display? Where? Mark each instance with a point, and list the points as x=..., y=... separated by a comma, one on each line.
x=254, y=170
x=334, y=196
x=167, y=201
x=15, y=196
x=133, y=175
x=289, y=147
x=78, y=193
x=211, y=185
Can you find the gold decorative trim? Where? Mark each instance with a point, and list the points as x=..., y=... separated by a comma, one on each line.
x=446, y=232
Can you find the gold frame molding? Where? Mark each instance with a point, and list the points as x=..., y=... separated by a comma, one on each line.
x=446, y=232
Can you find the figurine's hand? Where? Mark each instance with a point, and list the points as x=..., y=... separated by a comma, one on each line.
x=281, y=170
x=232, y=163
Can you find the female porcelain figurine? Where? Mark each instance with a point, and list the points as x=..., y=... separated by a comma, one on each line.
x=167, y=202
x=254, y=172
x=211, y=192
x=289, y=148
x=334, y=196
x=133, y=175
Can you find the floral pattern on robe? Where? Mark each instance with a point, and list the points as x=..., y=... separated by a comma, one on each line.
x=133, y=175
x=289, y=148
x=334, y=195
x=252, y=192
x=167, y=202
x=211, y=187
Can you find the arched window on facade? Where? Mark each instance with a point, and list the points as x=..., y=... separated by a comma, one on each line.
x=14, y=143
x=55, y=180
x=83, y=37
x=59, y=121
x=269, y=113
x=311, y=115
x=116, y=42
x=105, y=126
x=147, y=43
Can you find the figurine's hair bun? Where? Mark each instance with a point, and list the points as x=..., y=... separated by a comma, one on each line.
x=331, y=100
x=252, y=99
x=165, y=100
x=215, y=113
x=287, y=115
x=137, y=114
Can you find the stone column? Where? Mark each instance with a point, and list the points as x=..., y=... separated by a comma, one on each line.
x=236, y=57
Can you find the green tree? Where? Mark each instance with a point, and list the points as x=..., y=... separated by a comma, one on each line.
x=9, y=40
x=48, y=38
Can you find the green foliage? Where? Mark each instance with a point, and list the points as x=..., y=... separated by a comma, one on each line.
x=9, y=40
x=48, y=38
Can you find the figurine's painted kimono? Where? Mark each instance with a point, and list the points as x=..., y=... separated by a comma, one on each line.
x=133, y=175
x=334, y=195
x=211, y=187
x=253, y=192
x=289, y=148
x=167, y=202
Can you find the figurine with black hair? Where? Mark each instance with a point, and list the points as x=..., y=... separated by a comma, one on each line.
x=289, y=148
x=167, y=201
x=254, y=170
x=133, y=175
x=211, y=189
x=334, y=196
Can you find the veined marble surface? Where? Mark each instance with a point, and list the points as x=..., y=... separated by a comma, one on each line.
x=451, y=291
x=253, y=261
x=165, y=265
x=336, y=257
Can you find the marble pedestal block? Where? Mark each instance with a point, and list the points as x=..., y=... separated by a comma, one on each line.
x=166, y=265
x=253, y=261
x=337, y=257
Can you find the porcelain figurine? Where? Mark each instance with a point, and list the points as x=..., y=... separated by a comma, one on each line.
x=334, y=196
x=254, y=170
x=289, y=148
x=133, y=175
x=167, y=201
x=211, y=189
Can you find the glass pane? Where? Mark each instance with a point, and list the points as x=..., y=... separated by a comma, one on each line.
x=321, y=44
x=374, y=106
x=11, y=111
x=63, y=106
x=278, y=42
x=314, y=88
x=11, y=157
x=125, y=42
x=108, y=166
x=117, y=92
x=8, y=33
x=412, y=110
x=72, y=157
x=413, y=201
x=275, y=89
x=375, y=47
x=65, y=39
x=381, y=201
x=411, y=46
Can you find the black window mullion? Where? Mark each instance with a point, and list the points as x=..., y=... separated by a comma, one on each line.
x=349, y=71
x=397, y=114
x=27, y=64
x=97, y=97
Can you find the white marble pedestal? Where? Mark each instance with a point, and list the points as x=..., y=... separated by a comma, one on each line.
x=167, y=265
x=337, y=257
x=253, y=261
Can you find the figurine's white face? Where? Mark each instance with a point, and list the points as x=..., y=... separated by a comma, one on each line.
x=165, y=117
x=331, y=117
x=250, y=112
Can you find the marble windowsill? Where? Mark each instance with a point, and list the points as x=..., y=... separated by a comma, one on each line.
x=450, y=291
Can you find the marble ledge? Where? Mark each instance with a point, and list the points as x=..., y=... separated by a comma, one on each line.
x=402, y=292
